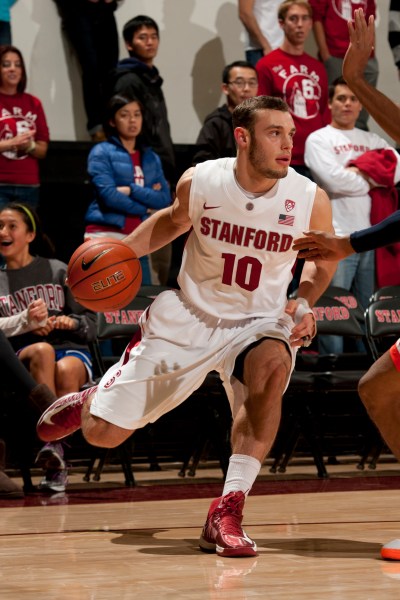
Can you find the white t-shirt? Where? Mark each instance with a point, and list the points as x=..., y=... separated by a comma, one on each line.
x=266, y=14
x=327, y=152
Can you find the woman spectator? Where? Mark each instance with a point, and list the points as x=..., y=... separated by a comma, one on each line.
x=24, y=134
x=55, y=353
x=128, y=179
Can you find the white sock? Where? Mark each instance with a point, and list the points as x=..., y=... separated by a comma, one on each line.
x=242, y=473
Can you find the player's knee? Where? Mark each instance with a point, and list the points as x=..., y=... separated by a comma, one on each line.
x=98, y=432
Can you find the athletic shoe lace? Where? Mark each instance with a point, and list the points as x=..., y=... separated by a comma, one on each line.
x=230, y=517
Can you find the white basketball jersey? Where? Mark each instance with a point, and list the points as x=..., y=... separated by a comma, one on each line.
x=238, y=258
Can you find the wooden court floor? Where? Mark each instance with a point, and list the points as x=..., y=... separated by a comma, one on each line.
x=311, y=545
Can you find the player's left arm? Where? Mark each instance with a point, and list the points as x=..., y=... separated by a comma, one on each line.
x=317, y=275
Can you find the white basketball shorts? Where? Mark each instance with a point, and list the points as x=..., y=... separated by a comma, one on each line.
x=180, y=345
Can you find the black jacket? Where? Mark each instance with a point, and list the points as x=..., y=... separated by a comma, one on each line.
x=133, y=77
x=216, y=139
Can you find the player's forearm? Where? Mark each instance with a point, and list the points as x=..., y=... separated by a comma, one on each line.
x=384, y=233
x=385, y=112
x=155, y=232
x=315, y=278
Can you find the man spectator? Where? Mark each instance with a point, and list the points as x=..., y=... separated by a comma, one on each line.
x=216, y=139
x=260, y=20
x=328, y=153
x=332, y=38
x=290, y=73
x=138, y=77
x=92, y=31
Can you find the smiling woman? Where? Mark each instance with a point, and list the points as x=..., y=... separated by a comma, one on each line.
x=24, y=134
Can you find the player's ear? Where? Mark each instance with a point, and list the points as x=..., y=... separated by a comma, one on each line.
x=241, y=136
x=225, y=89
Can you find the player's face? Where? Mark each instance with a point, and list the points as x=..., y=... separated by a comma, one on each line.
x=128, y=121
x=297, y=24
x=271, y=144
x=11, y=69
x=242, y=84
x=14, y=235
x=345, y=108
x=145, y=44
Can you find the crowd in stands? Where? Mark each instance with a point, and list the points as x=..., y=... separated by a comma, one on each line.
x=132, y=166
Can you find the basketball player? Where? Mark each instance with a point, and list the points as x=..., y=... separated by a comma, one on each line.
x=379, y=388
x=231, y=314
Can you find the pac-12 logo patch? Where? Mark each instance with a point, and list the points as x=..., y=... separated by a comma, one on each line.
x=289, y=205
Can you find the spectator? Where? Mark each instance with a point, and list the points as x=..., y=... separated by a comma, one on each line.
x=137, y=76
x=24, y=134
x=56, y=354
x=37, y=396
x=332, y=38
x=5, y=22
x=127, y=177
x=216, y=139
x=328, y=154
x=394, y=31
x=290, y=73
x=92, y=31
x=260, y=20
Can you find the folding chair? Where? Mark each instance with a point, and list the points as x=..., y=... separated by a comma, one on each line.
x=388, y=291
x=316, y=376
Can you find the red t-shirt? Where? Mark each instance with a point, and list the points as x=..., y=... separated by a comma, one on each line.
x=302, y=82
x=20, y=113
x=334, y=15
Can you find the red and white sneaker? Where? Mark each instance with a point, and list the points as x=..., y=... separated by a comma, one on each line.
x=63, y=417
x=391, y=550
x=222, y=532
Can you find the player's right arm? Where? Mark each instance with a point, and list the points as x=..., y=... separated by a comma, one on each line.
x=166, y=224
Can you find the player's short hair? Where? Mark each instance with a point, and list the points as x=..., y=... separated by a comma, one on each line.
x=244, y=114
x=284, y=7
x=244, y=64
x=332, y=88
x=133, y=25
x=5, y=50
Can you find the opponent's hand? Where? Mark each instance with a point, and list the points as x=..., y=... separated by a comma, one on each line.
x=362, y=43
x=321, y=245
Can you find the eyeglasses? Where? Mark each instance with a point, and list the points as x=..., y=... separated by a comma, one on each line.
x=241, y=83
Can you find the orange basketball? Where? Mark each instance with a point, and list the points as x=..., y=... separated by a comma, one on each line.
x=104, y=274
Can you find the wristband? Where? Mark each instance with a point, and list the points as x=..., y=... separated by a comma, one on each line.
x=303, y=308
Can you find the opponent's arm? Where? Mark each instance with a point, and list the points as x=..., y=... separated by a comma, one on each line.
x=166, y=224
x=325, y=246
x=362, y=39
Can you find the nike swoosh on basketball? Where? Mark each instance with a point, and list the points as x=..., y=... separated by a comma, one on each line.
x=87, y=265
x=209, y=207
